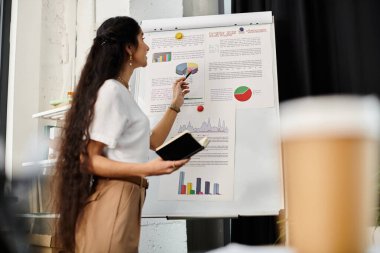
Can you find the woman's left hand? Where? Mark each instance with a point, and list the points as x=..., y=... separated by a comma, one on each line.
x=180, y=89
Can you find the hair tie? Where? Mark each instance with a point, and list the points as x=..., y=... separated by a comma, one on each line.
x=105, y=39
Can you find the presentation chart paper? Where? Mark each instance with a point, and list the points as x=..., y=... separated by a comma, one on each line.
x=210, y=174
x=233, y=100
x=228, y=64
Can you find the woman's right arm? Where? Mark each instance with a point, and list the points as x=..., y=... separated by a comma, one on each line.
x=101, y=166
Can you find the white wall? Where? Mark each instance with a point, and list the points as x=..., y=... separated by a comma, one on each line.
x=154, y=9
x=23, y=91
x=200, y=7
x=110, y=8
x=227, y=6
x=86, y=29
x=57, y=51
x=41, y=65
x=160, y=235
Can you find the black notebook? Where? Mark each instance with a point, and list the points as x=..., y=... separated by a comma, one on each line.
x=182, y=146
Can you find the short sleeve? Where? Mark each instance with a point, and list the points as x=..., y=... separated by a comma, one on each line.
x=110, y=115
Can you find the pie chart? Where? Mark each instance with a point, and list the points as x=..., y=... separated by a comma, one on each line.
x=185, y=68
x=243, y=93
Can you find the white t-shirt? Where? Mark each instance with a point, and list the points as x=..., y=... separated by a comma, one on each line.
x=120, y=124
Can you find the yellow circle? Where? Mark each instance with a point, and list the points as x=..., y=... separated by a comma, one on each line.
x=178, y=36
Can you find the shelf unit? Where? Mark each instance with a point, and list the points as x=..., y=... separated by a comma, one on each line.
x=38, y=215
x=41, y=169
x=57, y=114
x=44, y=164
x=53, y=114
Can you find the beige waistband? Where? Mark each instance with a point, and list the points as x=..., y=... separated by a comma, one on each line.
x=140, y=181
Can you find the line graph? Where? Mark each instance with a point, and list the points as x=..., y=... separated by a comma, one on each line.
x=205, y=127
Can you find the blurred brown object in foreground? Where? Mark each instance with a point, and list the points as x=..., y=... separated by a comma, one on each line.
x=330, y=152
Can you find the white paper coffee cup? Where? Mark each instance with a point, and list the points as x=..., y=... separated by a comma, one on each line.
x=330, y=154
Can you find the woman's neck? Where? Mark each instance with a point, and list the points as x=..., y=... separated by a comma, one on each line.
x=123, y=81
x=124, y=76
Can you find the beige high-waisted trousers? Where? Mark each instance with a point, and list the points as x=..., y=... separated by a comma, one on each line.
x=110, y=220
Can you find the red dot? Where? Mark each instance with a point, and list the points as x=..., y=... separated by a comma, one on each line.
x=200, y=108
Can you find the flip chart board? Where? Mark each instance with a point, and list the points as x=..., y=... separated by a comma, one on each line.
x=233, y=100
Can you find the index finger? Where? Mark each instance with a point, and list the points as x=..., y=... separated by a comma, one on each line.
x=180, y=79
x=183, y=161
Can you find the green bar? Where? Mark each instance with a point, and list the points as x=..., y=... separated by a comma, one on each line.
x=192, y=192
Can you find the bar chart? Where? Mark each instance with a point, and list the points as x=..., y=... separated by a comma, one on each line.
x=162, y=57
x=187, y=188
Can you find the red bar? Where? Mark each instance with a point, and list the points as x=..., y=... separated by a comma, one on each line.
x=183, y=189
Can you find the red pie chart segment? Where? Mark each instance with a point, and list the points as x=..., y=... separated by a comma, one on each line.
x=243, y=93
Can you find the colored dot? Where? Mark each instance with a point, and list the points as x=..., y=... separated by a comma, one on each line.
x=241, y=29
x=178, y=36
x=200, y=108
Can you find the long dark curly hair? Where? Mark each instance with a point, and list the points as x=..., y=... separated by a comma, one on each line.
x=72, y=181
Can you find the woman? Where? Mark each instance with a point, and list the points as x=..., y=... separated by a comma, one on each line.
x=103, y=158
